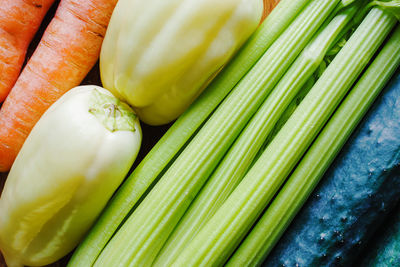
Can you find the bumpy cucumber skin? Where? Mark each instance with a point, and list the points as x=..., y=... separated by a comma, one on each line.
x=384, y=248
x=360, y=187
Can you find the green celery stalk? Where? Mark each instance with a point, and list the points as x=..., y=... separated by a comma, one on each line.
x=288, y=112
x=146, y=174
x=347, y=2
x=148, y=227
x=284, y=117
x=392, y=6
x=223, y=232
x=240, y=156
x=302, y=182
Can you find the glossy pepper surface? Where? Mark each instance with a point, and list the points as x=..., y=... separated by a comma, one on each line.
x=159, y=55
x=73, y=160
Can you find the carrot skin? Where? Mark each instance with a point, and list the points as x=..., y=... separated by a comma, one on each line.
x=19, y=22
x=68, y=50
x=269, y=5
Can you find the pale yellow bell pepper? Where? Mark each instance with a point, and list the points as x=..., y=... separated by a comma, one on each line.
x=69, y=166
x=159, y=55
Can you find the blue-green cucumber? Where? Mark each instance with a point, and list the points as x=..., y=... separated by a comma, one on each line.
x=359, y=188
x=303, y=180
x=383, y=249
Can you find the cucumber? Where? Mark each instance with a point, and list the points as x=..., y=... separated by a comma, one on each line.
x=384, y=248
x=359, y=188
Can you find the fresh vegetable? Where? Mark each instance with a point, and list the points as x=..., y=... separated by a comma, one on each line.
x=71, y=163
x=392, y=6
x=19, y=21
x=159, y=66
x=384, y=248
x=222, y=233
x=358, y=189
x=171, y=144
x=68, y=50
x=269, y=5
x=291, y=197
x=141, y=237
x=242, y=153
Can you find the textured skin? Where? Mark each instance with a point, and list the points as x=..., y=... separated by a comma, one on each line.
x=384, y=249
x=359, y=188
x=19, y=21
x=68, y=50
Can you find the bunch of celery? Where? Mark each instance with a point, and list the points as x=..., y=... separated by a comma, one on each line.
x=324, y=149
x=223, y=232
x=164, y=152
x=242, y=153
x=200, y=190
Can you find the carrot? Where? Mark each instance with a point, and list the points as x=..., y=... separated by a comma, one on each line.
x=19, y=21
x=67, y=51
x=269, y=5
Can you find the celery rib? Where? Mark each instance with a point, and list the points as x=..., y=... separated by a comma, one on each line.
x=146, y=230
x=238, y=159
x=222, y=233
x=295, y=192
x=145, y=175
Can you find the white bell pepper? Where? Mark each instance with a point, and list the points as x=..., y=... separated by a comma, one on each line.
x=159, y=55
x=68, y=168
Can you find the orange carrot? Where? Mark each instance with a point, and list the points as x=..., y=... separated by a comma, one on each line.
x=19, y=21
x=68, y=50
x=268, y=6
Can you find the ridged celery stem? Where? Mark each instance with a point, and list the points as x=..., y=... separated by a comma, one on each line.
x=145, y=175
x=240, y=156
x=223, y=232
x=301, y=183
x=146, y=230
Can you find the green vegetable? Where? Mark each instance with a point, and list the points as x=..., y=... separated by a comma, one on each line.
x=238, y=159
x=150, y=224
x=292, y=196
x=353, y=197
x=149, y=170
x=69, y=166
x=392, y=6
x=223, y=232
x=345, y=3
